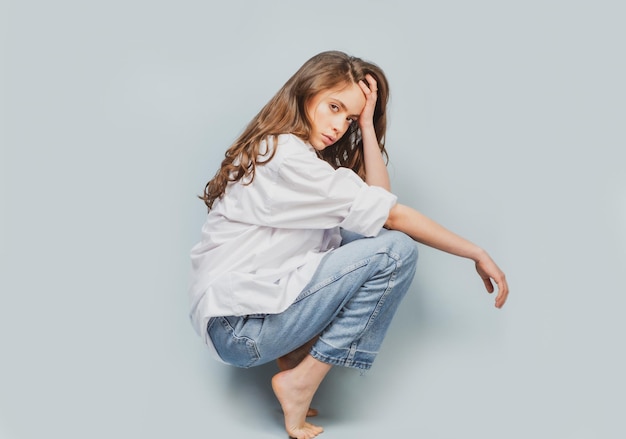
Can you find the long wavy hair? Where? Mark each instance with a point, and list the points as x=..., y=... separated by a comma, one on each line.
x=286, y=113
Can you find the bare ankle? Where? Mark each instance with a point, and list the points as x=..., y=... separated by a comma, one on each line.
x=294, y=389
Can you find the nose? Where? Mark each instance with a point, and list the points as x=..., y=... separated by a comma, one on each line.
x=340, y=125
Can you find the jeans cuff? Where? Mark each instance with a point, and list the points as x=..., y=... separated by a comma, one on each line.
x=343, y=357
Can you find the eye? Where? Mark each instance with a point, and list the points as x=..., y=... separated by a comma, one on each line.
x=334, y=108
x=351, y=120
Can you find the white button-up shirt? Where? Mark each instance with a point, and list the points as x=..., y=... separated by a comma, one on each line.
x=262, y=242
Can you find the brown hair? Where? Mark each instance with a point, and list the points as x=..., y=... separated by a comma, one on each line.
x=285, y=113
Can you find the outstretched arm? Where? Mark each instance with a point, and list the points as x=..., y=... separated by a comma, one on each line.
x=375, y=168
x=428, y=232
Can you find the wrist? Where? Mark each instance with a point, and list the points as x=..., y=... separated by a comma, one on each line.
x=478, y=254
x=366, y=126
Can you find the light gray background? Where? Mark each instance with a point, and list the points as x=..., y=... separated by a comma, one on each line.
x=507, y=126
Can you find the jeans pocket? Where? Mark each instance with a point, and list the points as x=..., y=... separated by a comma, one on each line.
x=237, y=350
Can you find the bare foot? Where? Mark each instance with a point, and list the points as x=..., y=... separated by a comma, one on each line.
x=295, y=395
x=294, y=358
x=285, y=363
x=311, y=413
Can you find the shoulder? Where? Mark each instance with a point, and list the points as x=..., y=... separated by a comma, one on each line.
x=288, y=150
x=290, y=144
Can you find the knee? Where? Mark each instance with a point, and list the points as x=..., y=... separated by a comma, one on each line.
x=403, y=246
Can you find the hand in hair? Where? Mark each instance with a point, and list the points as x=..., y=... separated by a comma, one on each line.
x=370, y=90
x=375, y=166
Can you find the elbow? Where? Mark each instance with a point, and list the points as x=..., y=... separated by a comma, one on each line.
x=395, y=214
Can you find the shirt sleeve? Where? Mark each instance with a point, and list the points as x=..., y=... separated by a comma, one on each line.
x=310, y=191
x=300, y=190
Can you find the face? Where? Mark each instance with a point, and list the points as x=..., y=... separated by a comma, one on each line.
x=331, y=112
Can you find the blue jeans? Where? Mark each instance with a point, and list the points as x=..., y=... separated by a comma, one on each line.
x=349, y=303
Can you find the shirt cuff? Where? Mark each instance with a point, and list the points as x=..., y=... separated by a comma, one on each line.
x=369, y=211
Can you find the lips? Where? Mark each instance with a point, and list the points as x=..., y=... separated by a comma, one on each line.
x=328, y=140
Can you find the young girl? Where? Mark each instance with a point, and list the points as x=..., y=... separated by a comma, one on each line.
x=306, y=254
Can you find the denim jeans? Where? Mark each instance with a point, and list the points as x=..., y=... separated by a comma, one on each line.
x=349, y=303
